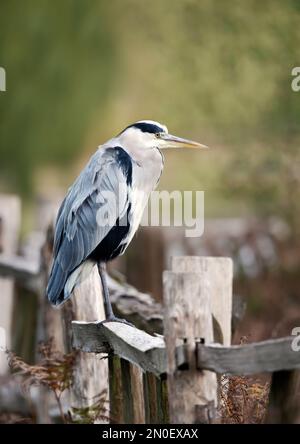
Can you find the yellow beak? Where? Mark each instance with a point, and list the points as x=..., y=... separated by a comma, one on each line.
x=169, y=141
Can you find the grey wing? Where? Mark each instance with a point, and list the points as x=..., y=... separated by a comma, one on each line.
x=100, y=190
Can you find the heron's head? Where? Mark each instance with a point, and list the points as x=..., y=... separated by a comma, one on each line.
x=149, y=134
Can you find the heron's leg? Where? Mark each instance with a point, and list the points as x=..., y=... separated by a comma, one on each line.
x=110, y=317
x=107, y=305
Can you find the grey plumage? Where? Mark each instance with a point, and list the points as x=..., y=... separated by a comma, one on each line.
x=77, y=232
x=89, y=227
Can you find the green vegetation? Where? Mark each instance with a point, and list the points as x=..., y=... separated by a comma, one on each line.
x=78, y=71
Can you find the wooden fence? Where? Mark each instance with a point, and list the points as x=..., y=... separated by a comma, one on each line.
x=147, y=377
x=173, y=378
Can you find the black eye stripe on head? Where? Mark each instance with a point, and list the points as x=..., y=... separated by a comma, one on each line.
x=147, y=127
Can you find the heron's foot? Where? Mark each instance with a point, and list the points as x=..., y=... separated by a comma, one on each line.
x=115, y=319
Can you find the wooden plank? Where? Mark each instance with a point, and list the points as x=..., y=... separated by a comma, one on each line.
x=136, y=378
x=10, y=219
x=284, y=398
x=137, y=346
x=147, y=398
x=127, y=392
x=115, y=390
x=187, y=316
x=266, y=356
x=155, y=399
x=217, y=274
x=150, y=391
x=162, y=400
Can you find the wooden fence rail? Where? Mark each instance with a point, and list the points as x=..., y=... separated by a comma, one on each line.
x=150, y=354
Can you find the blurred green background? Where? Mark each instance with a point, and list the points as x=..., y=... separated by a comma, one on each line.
x=220, y=72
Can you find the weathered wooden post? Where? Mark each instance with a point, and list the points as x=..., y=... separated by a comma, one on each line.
x=125, y=392
x=216, y=274
x=156, y=399
x=194, y=290
x=91, y=372
x=188, y=318
x=132, y=396
x=10, y=218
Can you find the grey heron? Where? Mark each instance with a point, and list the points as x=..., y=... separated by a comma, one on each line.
x=103, y=208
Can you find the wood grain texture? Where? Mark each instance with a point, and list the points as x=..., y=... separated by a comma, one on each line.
x=187, y=316
x=156, y=399
x=127, y=395
x=136, y=381
x=132, y=393
x=266, y=356
x=137, y=346
x=217, y=274
x=115, y=390
x=150, y=393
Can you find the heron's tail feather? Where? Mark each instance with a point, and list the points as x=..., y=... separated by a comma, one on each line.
x=61, y=285
x=56, y=283
x=79, y=275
